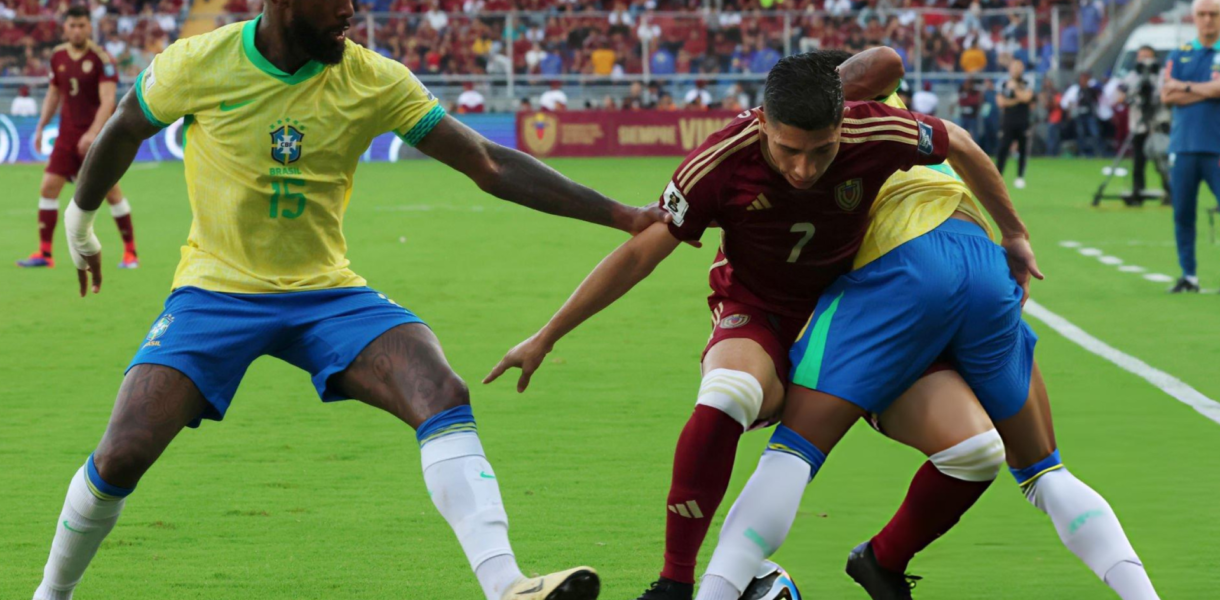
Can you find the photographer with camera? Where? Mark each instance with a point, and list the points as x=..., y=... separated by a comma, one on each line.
x=1192, y=87
x=1015, y=97
x=1148, y=118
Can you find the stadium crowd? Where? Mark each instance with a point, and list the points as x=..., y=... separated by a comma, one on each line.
x=608, y=37
x=132, y=31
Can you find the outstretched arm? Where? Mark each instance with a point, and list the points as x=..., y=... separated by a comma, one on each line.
x=613, y=277
x=522, y=179
x=981, y=176
x=107, y=160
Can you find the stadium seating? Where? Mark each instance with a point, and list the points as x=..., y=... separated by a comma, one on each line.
x=595, y=38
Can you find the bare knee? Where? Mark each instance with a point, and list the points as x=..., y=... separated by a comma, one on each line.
x=50, y=188
x=453, y=392
x=122, y=462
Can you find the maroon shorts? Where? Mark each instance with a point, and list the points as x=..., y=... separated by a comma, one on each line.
x=775, y=333
x=65, y=160
x=737, y=320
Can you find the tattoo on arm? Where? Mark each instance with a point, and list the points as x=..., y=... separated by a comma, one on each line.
x=112, y=152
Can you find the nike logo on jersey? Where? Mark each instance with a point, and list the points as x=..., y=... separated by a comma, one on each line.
x=486, y=475
x=226, y=107
x=760, y=203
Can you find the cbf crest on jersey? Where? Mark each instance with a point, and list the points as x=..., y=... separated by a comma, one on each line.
x=849, y=194
x=158, y=330
x=286, y=141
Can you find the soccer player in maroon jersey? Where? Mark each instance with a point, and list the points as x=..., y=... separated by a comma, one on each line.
x=83, y=79
x=791, y=190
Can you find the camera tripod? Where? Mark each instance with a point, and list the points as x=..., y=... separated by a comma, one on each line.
x=1133, y=197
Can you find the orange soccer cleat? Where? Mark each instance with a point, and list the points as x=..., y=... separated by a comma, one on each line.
x=130, y=261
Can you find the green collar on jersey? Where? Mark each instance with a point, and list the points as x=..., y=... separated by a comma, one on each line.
x=310, y=69
x=1197, y=45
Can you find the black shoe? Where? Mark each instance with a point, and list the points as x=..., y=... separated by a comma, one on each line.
x=1184, y=286
x=880, y=582
x=668, y=589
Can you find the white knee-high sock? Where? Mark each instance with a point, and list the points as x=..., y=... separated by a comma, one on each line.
x=757, y=524
x=1090, y=529
x=464, y=489
x=86, y=519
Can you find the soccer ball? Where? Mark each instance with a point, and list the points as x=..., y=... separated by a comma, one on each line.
x=771, y=583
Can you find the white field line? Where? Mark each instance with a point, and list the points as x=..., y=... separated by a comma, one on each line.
x=1114, y=261
x=1178, y=389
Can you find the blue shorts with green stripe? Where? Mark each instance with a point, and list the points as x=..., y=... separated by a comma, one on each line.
x=948, y=292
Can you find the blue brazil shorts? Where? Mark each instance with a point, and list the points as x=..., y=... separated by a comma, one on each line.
x=948, y=292
x=213, y=337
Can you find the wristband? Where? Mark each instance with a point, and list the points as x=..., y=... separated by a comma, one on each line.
x=78, y=226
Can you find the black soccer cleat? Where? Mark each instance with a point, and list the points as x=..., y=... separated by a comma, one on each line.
x=1184, y=286
x=880, y=582
x=668, y=589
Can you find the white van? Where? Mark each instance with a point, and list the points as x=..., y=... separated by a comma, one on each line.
x=1163, y=37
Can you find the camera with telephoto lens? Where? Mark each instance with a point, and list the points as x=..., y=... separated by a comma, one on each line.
x=1148, y=67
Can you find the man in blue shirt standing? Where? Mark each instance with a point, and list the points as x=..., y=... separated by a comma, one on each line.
x=1192, y=88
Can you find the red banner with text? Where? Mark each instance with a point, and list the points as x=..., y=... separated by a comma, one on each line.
x=616, y=133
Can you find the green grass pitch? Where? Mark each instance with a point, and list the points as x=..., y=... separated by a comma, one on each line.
x=292, y=499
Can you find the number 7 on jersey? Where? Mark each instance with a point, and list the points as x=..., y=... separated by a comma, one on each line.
x=807, y=230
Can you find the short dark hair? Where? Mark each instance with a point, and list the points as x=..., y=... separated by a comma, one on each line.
x=1148, y=48
x=804, y=91
x=76, y=11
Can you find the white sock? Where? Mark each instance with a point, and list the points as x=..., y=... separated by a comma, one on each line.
x=1193, y=279
x=759, y=521
x=48, y=204
x=464, y=489
x=1089, y=528
x=497, y=574
x=714, y=587
x=83, y=524
x=1130, y=580
x=122, y=209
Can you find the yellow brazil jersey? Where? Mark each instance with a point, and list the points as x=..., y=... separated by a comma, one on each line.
x=270, y=156
x=912, y=203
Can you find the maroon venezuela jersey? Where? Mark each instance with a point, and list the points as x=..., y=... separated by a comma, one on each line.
x=78, y=75
x=780, y=246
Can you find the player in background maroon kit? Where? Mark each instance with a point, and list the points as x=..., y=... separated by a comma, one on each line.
x=794, y=211
x=83, y=78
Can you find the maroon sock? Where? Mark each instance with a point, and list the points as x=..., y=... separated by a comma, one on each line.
x=933, y=505
x=46, y=230
x=127, y=232
x=703, y=465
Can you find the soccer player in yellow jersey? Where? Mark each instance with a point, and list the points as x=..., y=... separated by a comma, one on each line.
x=277, y=112
x=928, y=282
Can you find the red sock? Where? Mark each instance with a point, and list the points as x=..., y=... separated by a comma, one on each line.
x=933, y=505
x=127, y=232
x=46, y=230
x=703, y=465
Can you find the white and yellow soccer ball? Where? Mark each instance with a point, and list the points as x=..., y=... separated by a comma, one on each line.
x=771, y=582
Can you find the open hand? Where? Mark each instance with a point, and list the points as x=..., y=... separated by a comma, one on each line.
x=86, y=142
x=93, y=265
x=1021, y=262
x=526, y=356
x=645, y=216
